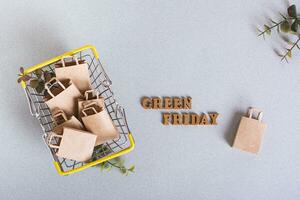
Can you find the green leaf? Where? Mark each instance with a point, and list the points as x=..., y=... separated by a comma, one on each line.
x=41, y=86
x=22, y=70
x=132, y=168
x=123, y=170
x=294, y=26
x=267, y=29
x=47, y=76
x=289, y=53
x=292, y=12
x=34, y=83
x=105, y=166
x=101, y=167
x=52, y=74
x=285, y=26
x=38, y=73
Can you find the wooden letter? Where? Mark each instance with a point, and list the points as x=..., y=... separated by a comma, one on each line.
x=187, y=103
x=166, y=118
x=204, y=120
x=167, y=102
x=156, y=103
x=177, y=103
x=213, y=118
x=186, y=118
x=146, y=103
x=195, y=119
x=177, y=119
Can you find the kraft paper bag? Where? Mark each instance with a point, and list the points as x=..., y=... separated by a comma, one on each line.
x=89, y=97
x=250, y=132
x=62, y=94
x=75, y=70
x=97, y=121
x=74, y=144
x=61, y=120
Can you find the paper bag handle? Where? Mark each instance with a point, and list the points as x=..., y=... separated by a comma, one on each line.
x=260, y=113
x=89, y=104
x=62, y=60
x=86, y=94
x=59, y=112
x=89, y=108
x=50, y=83
x=53, y=135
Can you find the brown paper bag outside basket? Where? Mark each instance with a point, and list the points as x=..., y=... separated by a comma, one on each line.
x=97, y=121
x=61, y=120
x=75, y=70
x=89, y=97
x=64, y=97
x=250, y=132
x=74, y=144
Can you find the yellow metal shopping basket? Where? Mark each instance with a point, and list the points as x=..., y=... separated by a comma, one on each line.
x=101, y=82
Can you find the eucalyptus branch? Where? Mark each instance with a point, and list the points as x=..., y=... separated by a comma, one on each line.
x=289, y=51
x=120, y=165
x=117, y=162
x=289, y=25
x=268, y=29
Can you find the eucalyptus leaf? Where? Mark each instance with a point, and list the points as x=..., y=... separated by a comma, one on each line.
x=292, y=12
x=38, y=73
x=102, y=166
x=20, y=79
x=105, y=166
x=34, y=83
x=294, y=26
x=132, y=168
x=22, y=70
x=41, y=86
x=285, y=26
x=289, y=53
x=47, y=76
x=123, y=170
x=267, y=29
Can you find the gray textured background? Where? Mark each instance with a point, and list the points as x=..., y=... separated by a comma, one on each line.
x=205, y=49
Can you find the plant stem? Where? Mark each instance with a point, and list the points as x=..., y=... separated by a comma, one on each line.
x=114, y=165
x=276, y=24
x=271, y=27
x=290, y=49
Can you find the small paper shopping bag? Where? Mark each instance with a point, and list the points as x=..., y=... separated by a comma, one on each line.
x=62, y=94
x=98, y=121
x=89, y=97
x=61, y=120
x=250, y=132
x=74, y=144
x=75, y=70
